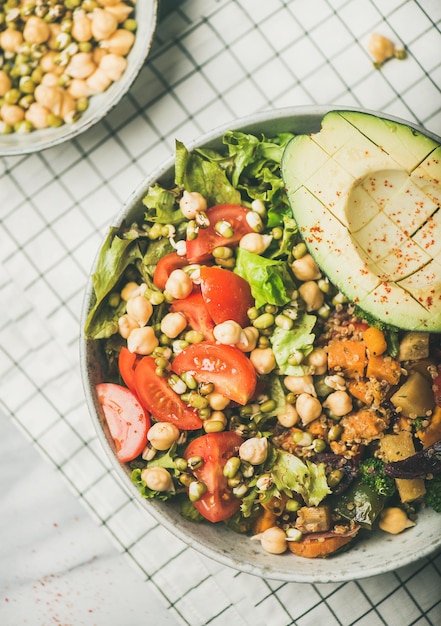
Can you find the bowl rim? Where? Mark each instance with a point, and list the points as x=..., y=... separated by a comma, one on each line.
x=103, y=103
x=155, y=508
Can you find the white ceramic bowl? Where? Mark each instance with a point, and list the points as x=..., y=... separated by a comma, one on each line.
x=380, y=553
x=100, y=105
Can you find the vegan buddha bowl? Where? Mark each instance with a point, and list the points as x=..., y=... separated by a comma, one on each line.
x=261, y=344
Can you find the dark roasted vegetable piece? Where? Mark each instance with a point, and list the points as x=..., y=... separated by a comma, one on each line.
x=360, y=503
x=426, y=461
x=338, y=462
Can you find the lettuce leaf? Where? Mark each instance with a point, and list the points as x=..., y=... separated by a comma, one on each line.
x=201, y=171
x=290, y=473
x=286, y=342
x=116, y=254
x=269, y=279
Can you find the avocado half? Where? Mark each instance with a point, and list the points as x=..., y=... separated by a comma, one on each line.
x=366, y=195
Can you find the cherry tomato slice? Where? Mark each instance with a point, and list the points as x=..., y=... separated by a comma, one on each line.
x=227, y=296
x=196, y=312
x=218, y=502
x=127, y=420
x=127, y=362
x=200, y=248
x=156, y=395
x=165, y=266
x=231, y=372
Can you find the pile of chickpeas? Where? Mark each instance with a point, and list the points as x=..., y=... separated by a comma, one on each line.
x=55, y=55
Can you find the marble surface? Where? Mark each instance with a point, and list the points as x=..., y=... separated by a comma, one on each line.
x=56, y=565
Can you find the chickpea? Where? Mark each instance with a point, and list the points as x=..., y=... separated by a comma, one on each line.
x=381, y=48
x=263, y=360
x=289, y=417
x=217, y=401
x=5, y=83
x=273, y=540
x=228, y=332
x=50, y=79
x=306, y=268
x=98, y=54
x=300, y=384
x=173, y=324
x=308, y=408
x=114, y=65
x=49, y=96
x=55, y=29
x=162, y=435
x=318, y=360
x=68, y=106
x=248, y=340
x=98, y=81
x=80, y=65
x=157, y=479
x=104, y=24
x=120, y=42
x=81, y=27
x=12, y=114
x=139, y=309
x=179, y=284
x=142, y=340
x=255, y=242
x=37, y=114
x=254, y=450
x=339, y=403
x=78, y=88
x=132, y=289
x=11, y=40
x=36, y=30
x=48, y=64
x=394, y=520
x=312, y=295
x=125, y=325
x=120, y=10
x=191, y=203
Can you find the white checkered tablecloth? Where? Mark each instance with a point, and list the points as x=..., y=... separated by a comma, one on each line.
x=212, y=61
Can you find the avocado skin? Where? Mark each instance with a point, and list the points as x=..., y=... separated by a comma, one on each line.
x=366, y=195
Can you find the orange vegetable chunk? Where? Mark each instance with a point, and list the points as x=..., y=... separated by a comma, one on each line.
x=348, y=356
x=375, y=341
x=384, y=368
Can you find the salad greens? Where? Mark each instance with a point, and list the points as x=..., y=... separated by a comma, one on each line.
x=310, y=460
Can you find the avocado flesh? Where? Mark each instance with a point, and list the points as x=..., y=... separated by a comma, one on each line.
x=366, y=195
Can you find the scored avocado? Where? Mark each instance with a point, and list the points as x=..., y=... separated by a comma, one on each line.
x=366, y=195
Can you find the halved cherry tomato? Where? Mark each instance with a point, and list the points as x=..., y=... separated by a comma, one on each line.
x=165, y=266
x=200, y=248
x=218, y=502
x=156, y=395
x=320, y=545
x=127, y=362
x=227, y=296
x=127, y=420
x=196, y=312
x=231, y=372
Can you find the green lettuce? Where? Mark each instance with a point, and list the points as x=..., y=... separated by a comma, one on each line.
x=116, y=254
x=270, y=280
x=202, y=171
x=287, y=342
x=289, y=473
